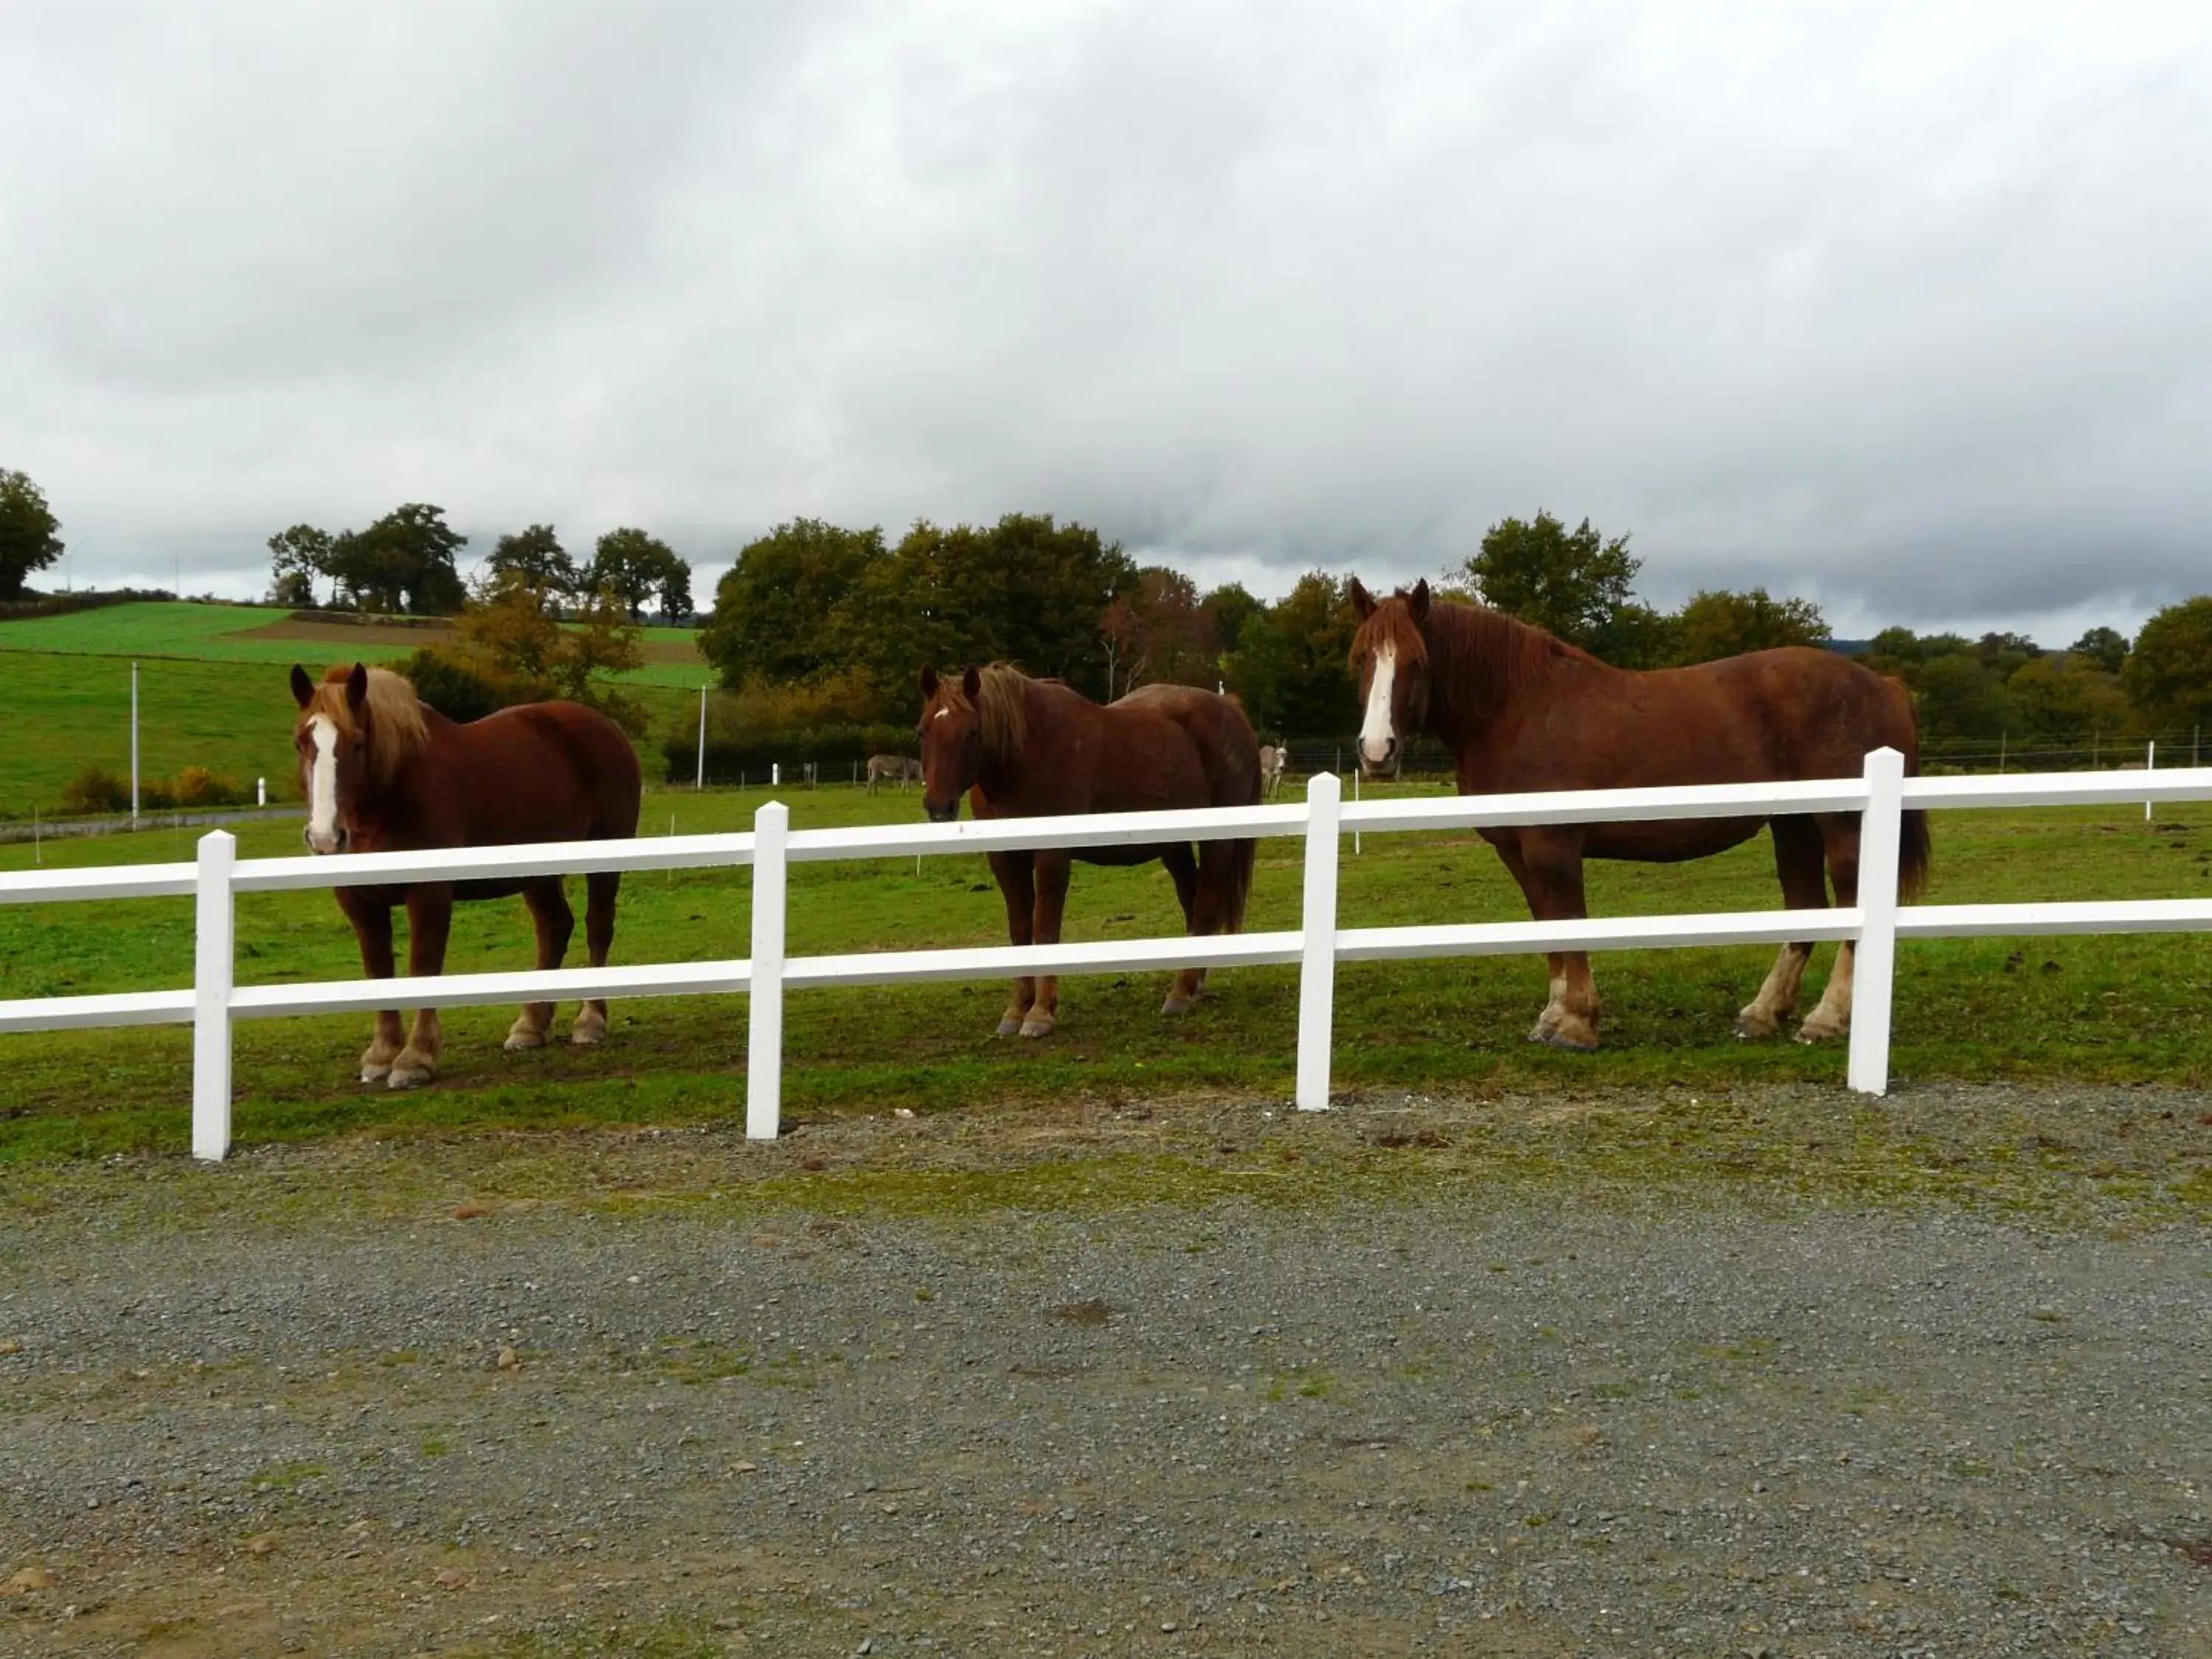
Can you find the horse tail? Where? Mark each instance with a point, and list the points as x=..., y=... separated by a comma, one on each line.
x=1914, y=856
x=1243, y=855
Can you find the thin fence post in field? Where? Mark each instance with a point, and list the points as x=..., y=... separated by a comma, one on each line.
x=1317, y=972
x=1873, y=960
x=764, y=1026
x=2150, y=764
x=213, y=964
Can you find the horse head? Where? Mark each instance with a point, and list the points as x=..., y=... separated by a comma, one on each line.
x=331, y=737
x=1390, y=659
x=951, y=733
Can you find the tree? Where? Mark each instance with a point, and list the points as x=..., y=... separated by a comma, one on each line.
x=1960, y=697
x=298, y=558
x=404, y=560
x=1156, y=630
x=1230, y=607
x=508, y=641
x=536, y=557
x=1029, y=590
x=2070, y=702
x=1291, y=666
x=2007, y=654
x=793, y=607
x=2168, y=675
x=635, y=567
x=1574, y=582
x=28, y=540
x=2107, y=647
x=1717, y=623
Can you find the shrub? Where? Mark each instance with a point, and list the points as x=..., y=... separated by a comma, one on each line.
x=464, y=691
x=96, y=790
x=197, y=787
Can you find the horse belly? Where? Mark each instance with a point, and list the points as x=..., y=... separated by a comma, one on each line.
x=1116, y=856
x=1668, y=841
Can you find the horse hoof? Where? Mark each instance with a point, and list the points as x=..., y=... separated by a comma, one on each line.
x=1009, y=1025
x=589, y=1035
x=1751, y=1029
x=519, y=1039
x=409, y=1077
x=1175, y=1004
x=1557, y=1040
x=1034, y=1027
x=374, y=1073
x=1810, y=1034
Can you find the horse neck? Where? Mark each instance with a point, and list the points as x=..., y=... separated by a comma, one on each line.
x=1482, y=663
x=1004, y=775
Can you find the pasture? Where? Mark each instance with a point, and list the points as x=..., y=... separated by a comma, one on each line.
x=264, y=634
x=221, y=701
x=2126, y=1009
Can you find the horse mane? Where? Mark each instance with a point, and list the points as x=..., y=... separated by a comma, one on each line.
x=396, y=731
x=1004, y=715
x=1479, y=660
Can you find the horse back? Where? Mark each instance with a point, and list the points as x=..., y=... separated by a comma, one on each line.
x=1791, y=713
x=542, y=771
x=1220, y=737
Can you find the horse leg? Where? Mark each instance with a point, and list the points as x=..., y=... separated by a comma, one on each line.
x=1184, y=866
x=1548, y=864
x=1052, y=870
x=429, y=920
x=1017, y=874
x=601, y=888
x=1839, y=834
x=372, y=926
x=1804, y=887
x=555, y=921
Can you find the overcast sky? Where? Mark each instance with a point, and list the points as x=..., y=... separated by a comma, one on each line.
x=1907, y=308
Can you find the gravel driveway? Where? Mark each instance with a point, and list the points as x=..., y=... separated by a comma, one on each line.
x=671, y=1395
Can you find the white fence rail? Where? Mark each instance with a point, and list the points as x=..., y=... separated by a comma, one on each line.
x=214, y=1000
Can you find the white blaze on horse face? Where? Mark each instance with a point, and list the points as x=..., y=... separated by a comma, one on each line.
x=323, y=786
x=1375, y=734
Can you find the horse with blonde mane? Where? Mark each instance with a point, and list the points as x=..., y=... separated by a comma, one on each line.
x=1018, y=747
x=384, y=772
x=1522, y=711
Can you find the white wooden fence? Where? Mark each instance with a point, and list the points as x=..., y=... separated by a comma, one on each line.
x=214, y=999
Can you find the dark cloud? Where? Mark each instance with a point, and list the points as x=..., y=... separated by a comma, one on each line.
x=1897, y=306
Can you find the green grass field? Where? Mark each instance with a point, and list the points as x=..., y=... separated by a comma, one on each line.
x=67, y=710
x=242, y=633
x=2129, y=1008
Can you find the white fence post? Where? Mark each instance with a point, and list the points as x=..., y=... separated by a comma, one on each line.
x=1874, y=962
x=764, y=1032
x=213, y=966
x=1317, y=975
x=2150, y=764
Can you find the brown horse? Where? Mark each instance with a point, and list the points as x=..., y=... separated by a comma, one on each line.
x=1022, y=747
x=383, y=772
x=1522, y=711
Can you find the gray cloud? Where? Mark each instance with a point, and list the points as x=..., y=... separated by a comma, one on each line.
x=1897, y=306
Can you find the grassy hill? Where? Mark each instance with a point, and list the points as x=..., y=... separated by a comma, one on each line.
x=259, y=634
x=213, y=690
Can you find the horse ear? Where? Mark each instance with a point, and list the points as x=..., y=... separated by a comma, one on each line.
x=1362, y=600
x=1417, y=601
x=972, y=682
x=928, y=682
x=357, y=689
x=303, y=689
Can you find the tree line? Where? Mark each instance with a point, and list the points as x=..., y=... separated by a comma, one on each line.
x=819, y=625
x=817, y=630
x=406, y=562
